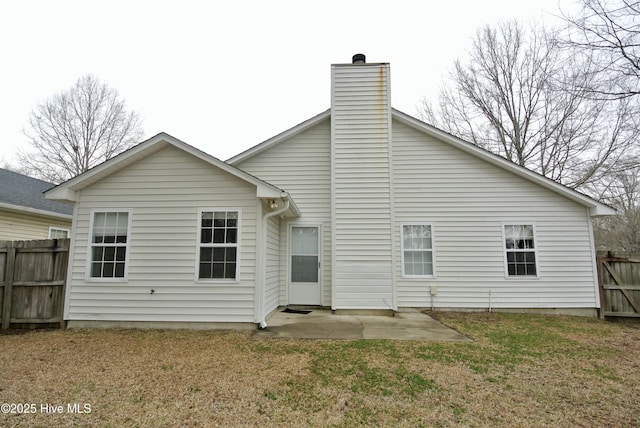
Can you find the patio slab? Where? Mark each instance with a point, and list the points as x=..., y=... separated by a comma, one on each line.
x=324, y=324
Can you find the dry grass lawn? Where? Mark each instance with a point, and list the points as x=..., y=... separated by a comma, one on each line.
x=521, y=371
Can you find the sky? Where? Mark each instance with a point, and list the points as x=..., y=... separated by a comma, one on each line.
x=224, y=76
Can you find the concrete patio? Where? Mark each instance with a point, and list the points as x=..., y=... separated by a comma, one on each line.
x=325, y=324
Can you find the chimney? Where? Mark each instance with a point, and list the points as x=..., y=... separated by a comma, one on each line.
x=359, y=59
x=362, y=268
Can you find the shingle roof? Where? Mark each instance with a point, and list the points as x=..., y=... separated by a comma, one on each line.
x=23, y=191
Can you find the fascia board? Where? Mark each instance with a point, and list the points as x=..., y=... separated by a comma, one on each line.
x=29, y=210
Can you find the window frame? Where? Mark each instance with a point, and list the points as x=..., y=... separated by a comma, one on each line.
x=533, y=250
x=199, y=246
x=432, y=250
x=90, y=245
x=52, y=228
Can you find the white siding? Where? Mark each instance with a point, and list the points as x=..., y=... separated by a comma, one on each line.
x=165, y=192
x=361, y=205
x=467, y=201
x=17, y=226
x=301, y=166
x=272, y=268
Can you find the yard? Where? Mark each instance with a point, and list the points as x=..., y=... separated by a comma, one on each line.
x=522, y=370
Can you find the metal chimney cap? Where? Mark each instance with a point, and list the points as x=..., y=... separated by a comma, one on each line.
x=359, y=59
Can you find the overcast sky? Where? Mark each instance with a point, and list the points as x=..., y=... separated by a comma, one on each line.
x=225, y=76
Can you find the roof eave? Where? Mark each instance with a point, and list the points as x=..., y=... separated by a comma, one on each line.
x=601, y=210
x=35, y=211
x=62, y=194
x=292, y=211
x=293, y=208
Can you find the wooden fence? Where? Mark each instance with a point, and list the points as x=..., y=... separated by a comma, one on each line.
x=32, y=282
x=619, y=277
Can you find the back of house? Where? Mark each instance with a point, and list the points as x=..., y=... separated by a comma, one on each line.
x=361, y=207
x=409, y=216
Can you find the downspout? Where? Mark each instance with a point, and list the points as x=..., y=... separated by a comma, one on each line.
x=262, y=317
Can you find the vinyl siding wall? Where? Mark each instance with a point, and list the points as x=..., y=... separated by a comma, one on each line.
x=165, y=192
x=301, y=166
x=467, y=201
x=361, y=205
x=16, y=226
x=272, y=286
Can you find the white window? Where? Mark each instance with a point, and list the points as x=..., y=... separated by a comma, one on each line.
x=58, y=233
x=218, y=245
x=417, y=250
x=109, y=244
x=520, y=250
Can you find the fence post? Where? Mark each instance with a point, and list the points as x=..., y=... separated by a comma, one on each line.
x=8, y=285
x=603, y=300
x=60, y=271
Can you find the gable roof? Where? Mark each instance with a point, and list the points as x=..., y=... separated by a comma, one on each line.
x=23, y=193
x=595, y=207
x=67, y=191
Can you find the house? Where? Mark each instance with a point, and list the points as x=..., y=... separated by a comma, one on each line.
x=26, y=214
x=360, y=207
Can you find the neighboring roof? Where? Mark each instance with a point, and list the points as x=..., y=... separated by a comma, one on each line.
x=596, y=208
x=67, y=191
x=22, y=193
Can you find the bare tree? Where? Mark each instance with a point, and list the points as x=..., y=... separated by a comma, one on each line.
x=77, y=129
x=608, y=33
x=522, y=97
x=622, y=191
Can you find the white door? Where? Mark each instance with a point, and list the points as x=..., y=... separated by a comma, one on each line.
x=305, y=286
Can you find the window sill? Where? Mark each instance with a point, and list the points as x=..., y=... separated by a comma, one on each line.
x=418, y=277
x=107, y=280
x=522, y=277
x=217, y=281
